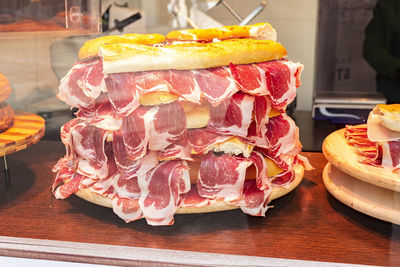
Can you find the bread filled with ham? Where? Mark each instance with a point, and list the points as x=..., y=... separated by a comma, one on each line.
x=193, y=122
x=377, y=143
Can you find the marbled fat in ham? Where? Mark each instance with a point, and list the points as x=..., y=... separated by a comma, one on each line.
x=168, y=126
x=250, y=79
x=283, y=179
x=262, y=107
x=179, y=150
x=128, y=166
x=122, y=92
x=192, y=199
x=89, y=153
x=282, y=79
x=222, y=176
x=233, y=116
x=390, y=155
x=127, y=209
x=82, y=84
x=217, y=84
x=202, y=139
x=161, y=191
x=69, y=187
x=183, y=83
x=100, y=114
x=135, y=131
x=254, y=201
x=283, y=136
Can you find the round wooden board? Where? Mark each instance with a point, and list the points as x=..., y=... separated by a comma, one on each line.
x=364, y=197
x=277, y=192
x=26, y=130
x=342, y=156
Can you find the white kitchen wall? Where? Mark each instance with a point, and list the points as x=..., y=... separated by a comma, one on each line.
x=295, y=21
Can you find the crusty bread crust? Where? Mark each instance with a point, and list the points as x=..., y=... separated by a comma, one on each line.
x=122, y=57
x=389, y=116
x=262, y=31
x=342, y=156
x=91, y=47
x=277, y=191
x=5, y=88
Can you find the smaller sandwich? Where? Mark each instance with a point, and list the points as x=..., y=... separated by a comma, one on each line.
x=383, y=129
x=369, y=152
x=6, y=111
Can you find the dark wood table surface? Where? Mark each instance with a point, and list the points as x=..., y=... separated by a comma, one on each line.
x=307, y=224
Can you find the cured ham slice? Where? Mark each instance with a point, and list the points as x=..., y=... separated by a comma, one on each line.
x=128, y=166
x=154, y=128
x=283, y=136
x=89, y=153
x=127, y=187
x=201, y=140
x=183, y=83
x=262, y=107
x=282, y=79
x=194, y=200
x=88, y=144
x=82, y=84
x=124, y=97
x=70, y=187
x=161, y=191
x=357, y=137
x=250, y=79
x=179, y=82
x=283, y=179
x=217, y=84
x=65, y=134
x=151, y=81
x=168, y=126
x=100, y=114
x=256, y=133
x=277, y=79
x=391, y=155
x=64, y=172
x=381, y=153
x=254, y=201
x=223, y=176
x=136, y=132
x=104, y=186
x=233, y=116
x=178, y=150
x=127, y=209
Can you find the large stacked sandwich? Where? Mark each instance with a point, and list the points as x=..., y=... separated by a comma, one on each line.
x=194, y=122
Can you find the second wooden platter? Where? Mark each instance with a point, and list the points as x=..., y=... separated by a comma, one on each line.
x=364, y=197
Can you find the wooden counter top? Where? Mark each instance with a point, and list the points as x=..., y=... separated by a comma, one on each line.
x=307, y=224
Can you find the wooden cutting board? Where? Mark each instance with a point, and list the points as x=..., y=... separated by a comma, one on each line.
x=342, y=156
x=26, y=130
x=375, y=201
